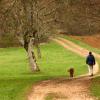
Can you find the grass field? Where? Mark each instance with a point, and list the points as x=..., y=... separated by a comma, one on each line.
x=16, y=77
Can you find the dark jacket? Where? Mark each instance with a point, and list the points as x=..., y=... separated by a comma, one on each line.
x=90, y=60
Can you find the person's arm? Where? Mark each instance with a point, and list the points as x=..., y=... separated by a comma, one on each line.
x=87, y=60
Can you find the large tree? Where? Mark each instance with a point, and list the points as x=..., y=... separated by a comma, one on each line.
x=29, y=20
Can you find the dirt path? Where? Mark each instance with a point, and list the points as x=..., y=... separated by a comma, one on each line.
x=65, y=89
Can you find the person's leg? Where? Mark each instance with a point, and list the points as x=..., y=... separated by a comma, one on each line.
x=89, y=69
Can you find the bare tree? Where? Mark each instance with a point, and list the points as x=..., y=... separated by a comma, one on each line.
x=29, y=20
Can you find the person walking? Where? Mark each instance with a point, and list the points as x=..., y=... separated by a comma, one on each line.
x=90, y=60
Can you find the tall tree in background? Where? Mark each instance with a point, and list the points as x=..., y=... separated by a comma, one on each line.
x=30, y=20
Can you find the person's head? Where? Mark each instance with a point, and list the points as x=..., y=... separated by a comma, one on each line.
x=90, y=53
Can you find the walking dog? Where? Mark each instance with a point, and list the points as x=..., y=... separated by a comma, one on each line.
x=71, y=72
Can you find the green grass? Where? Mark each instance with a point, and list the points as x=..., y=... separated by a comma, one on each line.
x=16, y=77
x=95, y=87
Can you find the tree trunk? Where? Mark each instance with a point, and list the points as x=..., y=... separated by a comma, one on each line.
x=31, y=56
x=38, y=51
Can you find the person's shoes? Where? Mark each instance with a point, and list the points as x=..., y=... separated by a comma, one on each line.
x=91, y=75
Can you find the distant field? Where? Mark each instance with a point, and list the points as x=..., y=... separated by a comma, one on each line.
x=15, y=74
x=81, y=43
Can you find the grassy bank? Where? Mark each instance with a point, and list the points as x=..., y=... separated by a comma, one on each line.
x=15, y=74
x=95, y=87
